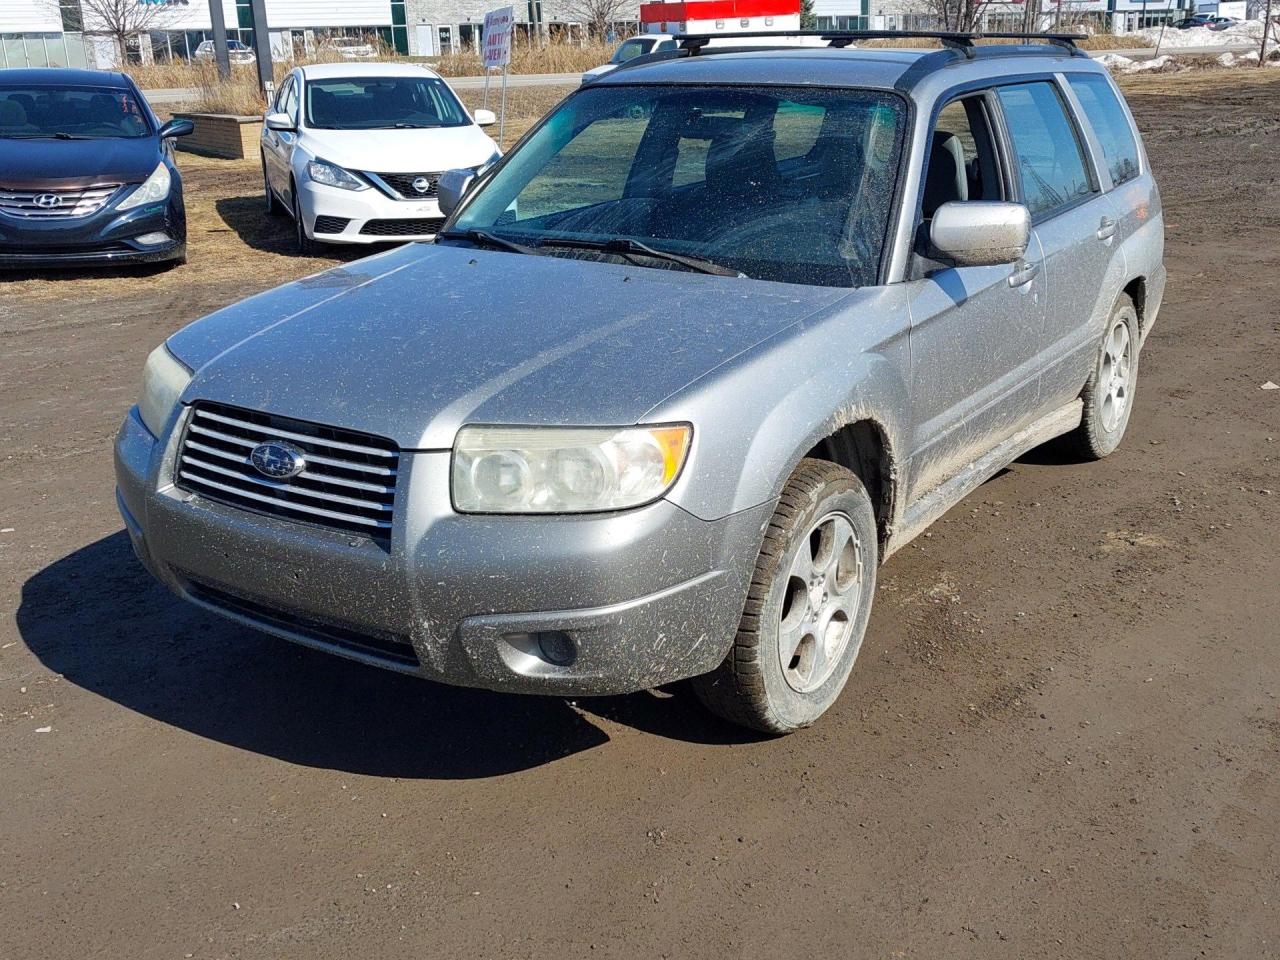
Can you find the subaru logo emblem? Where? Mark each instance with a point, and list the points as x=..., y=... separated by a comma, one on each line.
x=421, y=184
x=48, y=201
x=278, y=460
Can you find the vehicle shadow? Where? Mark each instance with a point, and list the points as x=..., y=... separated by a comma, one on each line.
x=249, y=220
x=97, y=618
x=108, y=272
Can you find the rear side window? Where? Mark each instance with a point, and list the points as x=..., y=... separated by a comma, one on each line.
x=1109, y=122
x=1051, y=163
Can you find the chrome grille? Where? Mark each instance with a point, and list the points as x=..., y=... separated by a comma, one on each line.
x=349, y=481
x=402, y=184
x=56, y=204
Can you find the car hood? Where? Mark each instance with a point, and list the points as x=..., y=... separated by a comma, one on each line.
x=73, y=163
x=401, y=151
x=415, y=343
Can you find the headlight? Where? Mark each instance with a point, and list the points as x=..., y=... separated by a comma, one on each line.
x=163, y=380
x=321, y=171
x=151, y=190
x=565, y=469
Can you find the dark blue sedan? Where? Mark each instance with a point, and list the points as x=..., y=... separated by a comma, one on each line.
x=86, y=172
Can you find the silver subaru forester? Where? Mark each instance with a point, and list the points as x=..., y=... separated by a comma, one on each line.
x=724, y=331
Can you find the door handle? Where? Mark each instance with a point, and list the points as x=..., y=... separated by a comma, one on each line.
x=1023, y=273
x=1106, y=229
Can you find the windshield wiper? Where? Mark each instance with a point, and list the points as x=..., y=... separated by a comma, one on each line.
x=631, y=249
x=483, y=238
x=47, y=136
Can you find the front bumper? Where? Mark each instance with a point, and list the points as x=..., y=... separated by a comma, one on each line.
x=365, y=216
x=105, y=237
x=641, y=598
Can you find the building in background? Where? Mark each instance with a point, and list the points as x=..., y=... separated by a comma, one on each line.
x=438, y=27
x=55, y=33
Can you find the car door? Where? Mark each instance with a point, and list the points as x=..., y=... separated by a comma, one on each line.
x=1075, y=223
x=975, y=331
x=278, y=144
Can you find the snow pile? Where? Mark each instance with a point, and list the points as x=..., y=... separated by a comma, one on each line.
x=1246, y=31
x=1118, y=64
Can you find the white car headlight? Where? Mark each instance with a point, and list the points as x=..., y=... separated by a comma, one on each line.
x=163, y=380
x=151, y=190
x=565, y=469
x=331, y=175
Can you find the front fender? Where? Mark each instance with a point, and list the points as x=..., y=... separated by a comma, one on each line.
x=759, y=413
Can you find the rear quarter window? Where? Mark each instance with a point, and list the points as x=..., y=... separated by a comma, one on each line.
x=1105, y=113
x=1051, y=164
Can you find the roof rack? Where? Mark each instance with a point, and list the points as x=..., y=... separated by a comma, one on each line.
x=696, y=43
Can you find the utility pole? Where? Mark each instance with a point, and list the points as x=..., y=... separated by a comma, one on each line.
x=219, y=23
x=262, y=48
x=1266, y=30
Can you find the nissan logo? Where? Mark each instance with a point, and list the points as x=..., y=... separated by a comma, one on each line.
x=47, y=201
x=421, y=184
x=278, y=460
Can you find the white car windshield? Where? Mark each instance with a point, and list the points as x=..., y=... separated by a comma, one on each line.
x=778, y=183
x=379, y=103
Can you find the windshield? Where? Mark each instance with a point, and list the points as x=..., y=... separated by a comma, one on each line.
x=70, y=112
x=778, y=183
x=370, y=103
x=631, y=49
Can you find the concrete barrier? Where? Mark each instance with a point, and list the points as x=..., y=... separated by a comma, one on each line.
x=222, y=135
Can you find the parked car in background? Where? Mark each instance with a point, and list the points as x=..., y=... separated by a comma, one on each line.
x=87, y=173
x=237, y=52
x=351, y=48
x=631, y=48
x=1223, y=23
x=354, y=153
x=723, y=333
x=1193, y=21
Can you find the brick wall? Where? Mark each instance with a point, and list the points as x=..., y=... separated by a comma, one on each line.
x=220, y=135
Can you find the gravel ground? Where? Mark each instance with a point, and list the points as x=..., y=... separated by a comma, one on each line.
x=1061, y=740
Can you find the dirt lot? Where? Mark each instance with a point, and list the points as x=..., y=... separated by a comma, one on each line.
x=1062, y=739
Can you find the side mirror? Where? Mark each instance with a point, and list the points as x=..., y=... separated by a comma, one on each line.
x=177, y=127
x=451, y=188
x=980, y=233
x=279, y=121
x=485, y=118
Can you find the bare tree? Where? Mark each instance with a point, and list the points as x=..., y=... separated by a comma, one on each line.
x=958, y=15
x=123, y=20
x=599, y=14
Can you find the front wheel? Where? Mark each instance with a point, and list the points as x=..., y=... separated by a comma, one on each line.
x=274, y=207
x=807, y=607
x=306, y=246
x=1108, y=394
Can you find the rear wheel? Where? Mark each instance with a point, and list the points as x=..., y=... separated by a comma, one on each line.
x=1108, y=395
x=306, y=246
x=807, y=607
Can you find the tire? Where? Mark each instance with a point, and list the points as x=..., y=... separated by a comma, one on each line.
x=274, y=207
x=306, y=246
x=1109, y=393
x=822, y=505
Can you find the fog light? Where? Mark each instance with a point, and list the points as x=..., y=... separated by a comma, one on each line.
x=151, y=239
x=557, y=648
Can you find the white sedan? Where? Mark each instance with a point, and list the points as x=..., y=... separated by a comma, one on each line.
x=354, y=152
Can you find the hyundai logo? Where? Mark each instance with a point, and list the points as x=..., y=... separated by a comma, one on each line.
x=421, y=184
x=48, y=201
x=278, y=460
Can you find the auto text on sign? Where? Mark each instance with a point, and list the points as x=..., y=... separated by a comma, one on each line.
x=497, y=37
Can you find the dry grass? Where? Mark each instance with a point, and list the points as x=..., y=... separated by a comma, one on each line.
x=553, y=58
